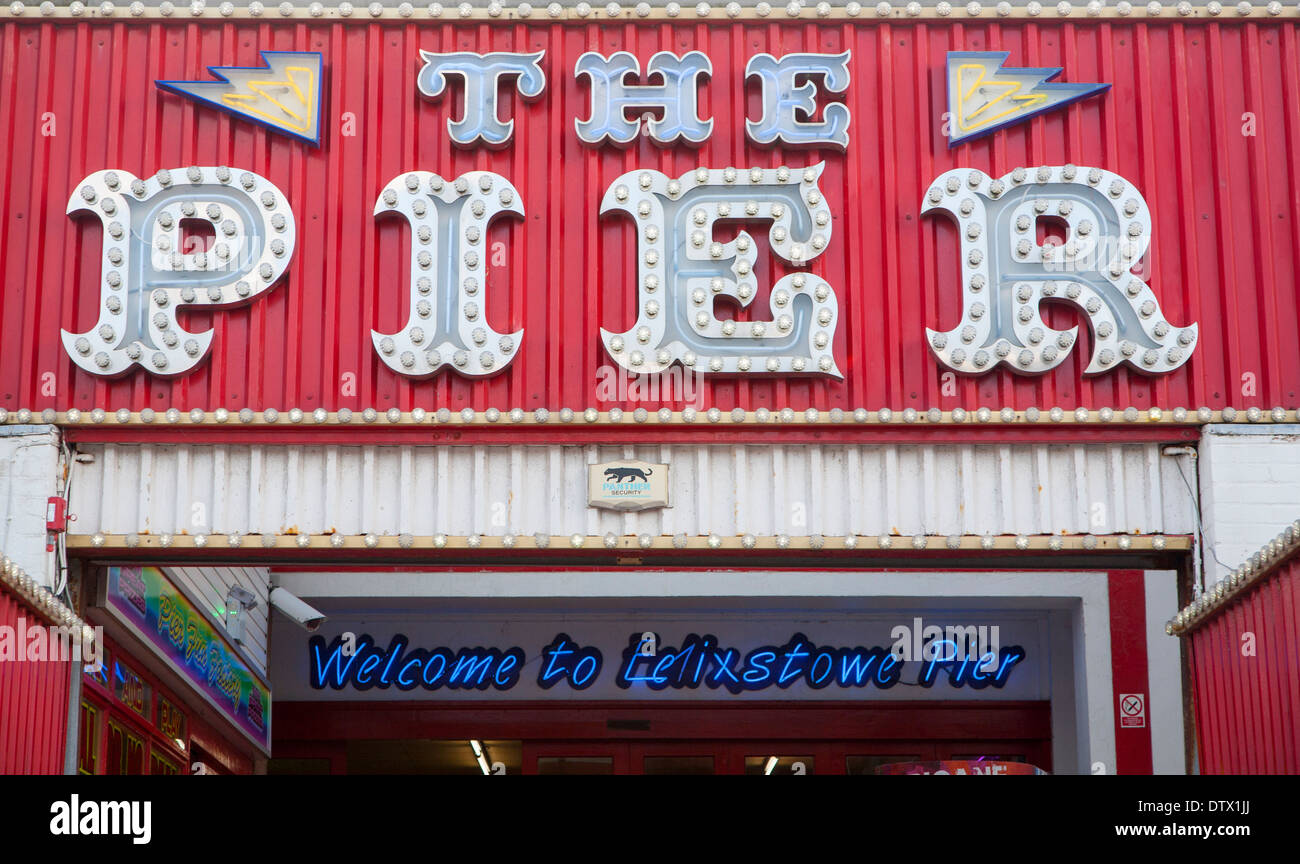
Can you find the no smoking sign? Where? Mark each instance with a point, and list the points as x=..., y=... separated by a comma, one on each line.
x=1132, y=710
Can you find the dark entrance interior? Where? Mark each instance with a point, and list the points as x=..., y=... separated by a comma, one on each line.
x=635, y=738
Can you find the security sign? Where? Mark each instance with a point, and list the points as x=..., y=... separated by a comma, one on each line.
x=1132, y=710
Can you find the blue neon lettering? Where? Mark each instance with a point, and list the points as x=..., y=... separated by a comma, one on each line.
x=555, y=652
x=665, y=662
x=442, y=657
x=580, y=680
x=813, y=678
x=626, y=676
x=958, y=672
x=791, y=654
x=757, y=677
x=502, y=677
x=884, y=669
x=473, y=663
x=699, y=659
x=699, y=663
x=401, y=675
x=1010, y=657
x=684, y=658
x=368, y=665
x=975, y=673
x=854, y=669
x=723, y=662
x=342, y=669
x=395, y=649
x=928, y=670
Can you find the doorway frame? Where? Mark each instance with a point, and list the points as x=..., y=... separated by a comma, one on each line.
x=829, y=730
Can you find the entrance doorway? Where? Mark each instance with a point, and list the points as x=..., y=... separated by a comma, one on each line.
x=757, y=758
x=643, y=738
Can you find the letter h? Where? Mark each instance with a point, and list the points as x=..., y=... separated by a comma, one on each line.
x=676, y=96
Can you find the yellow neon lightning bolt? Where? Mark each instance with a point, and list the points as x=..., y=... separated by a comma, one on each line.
x=273, y=92
x=967, y=121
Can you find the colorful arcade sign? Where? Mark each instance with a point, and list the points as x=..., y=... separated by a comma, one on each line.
x=156, y=612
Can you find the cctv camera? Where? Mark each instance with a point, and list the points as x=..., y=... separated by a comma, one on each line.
x=238, y=601
x=304, y=615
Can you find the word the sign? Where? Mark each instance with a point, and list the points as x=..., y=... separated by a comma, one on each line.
x=787, y=94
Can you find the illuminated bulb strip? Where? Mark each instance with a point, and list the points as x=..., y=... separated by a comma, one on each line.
x=1256, y=570
x=634, y=12
x=28, y=589
x=513, y=418
x=564, y=543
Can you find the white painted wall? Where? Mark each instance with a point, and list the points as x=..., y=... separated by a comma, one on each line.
x=1250, y=490
x=29, y=458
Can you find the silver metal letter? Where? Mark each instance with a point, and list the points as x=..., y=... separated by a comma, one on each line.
x=682, y=270
x=677, y=96
x=147, y=275
x=447, y=324
x=782, y=98
x=482, y=74
x=1007, y=274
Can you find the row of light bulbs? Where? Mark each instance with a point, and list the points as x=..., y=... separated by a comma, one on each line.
x=794, y=9
x=35, y=595
x=610, y=540
x=1268, y=559
x=465, y=416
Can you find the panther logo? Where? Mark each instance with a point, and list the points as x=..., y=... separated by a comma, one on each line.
x=627, y=475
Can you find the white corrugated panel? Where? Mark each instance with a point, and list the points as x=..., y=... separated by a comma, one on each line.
x=728, y=489
x=29, y=460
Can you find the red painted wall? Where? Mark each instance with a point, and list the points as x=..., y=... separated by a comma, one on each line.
x=1246, y=680
x=33, y=703
x=1224, y=253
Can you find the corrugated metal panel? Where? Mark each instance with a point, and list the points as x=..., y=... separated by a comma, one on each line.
x=209, y=585
x=1246, y=680
x=764, y=490
x=1227, y=226
x=29, y=462
x=33, y=703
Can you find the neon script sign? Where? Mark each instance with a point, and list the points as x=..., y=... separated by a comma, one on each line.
x=361, y=663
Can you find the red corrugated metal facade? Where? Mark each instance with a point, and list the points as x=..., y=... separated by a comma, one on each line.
x=1225, y=247
x=1245, y=664
x=33, y=702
